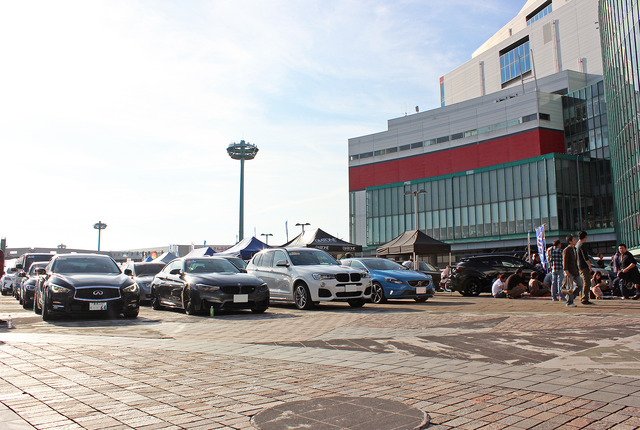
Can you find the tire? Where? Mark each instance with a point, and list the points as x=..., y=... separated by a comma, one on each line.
x=132, y=314
x=36, y=309
x=420, y=299
x=187, y=303
x=46, y=315
x=155, y=302
x=302, y=297
x=260, y=307
x=471, y=288
x=377, y=294
x=356, y=303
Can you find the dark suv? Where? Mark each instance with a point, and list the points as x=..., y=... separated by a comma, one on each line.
x=475, y=275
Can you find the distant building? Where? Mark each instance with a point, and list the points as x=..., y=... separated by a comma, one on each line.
x=520, y=141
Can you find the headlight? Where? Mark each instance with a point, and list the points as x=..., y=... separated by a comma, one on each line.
x=59, y=289
x=428, y=277
x=323, y=276
x=364, y=275
x=393, y=280
x=207, y=288
x=133, y=288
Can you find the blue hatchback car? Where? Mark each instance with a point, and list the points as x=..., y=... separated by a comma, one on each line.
x=390, y=280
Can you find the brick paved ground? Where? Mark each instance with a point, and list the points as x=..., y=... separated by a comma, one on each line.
x=468, y=362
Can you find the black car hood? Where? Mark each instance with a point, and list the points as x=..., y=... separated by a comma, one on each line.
x=91, y=280
x=224, y=279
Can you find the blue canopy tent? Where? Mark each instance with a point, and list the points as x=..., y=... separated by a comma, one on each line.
x=205, y=251
x=147, y=260
x=165, y=258
x=245, y=248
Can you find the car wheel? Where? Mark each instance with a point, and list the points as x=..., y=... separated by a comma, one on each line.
x=187, y=303
x=472, y=288
x=36, y=308
x=260, y=307
x=356, y=303
x=377, y=294
x=302, y=297
x=132, y=313
x=155, y=302
x=26, y=305
x=420, y=299
x=46, y=315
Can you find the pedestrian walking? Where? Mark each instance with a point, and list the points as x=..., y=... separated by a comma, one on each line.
x=584, y=265
x=571, y=273
x=557, y=271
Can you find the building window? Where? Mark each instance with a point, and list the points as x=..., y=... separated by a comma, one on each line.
x=515, y=61
x=544, y=10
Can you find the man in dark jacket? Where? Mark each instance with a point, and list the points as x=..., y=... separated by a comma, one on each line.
x=628, y=272
x=571, y=273
x=584, y=265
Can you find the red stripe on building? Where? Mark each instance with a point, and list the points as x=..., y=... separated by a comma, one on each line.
x=499, y=151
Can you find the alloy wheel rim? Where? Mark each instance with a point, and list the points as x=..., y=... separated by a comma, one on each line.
x=301, y=300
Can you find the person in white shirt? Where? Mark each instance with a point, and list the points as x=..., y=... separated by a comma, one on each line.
x=409, y=263
x=497, y=289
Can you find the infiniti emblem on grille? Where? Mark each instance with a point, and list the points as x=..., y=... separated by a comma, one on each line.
x=98, y=292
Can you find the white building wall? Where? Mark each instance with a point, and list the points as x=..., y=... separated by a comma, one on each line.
x=566, y=39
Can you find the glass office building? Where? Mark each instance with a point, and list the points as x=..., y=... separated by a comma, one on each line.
x=620, y=35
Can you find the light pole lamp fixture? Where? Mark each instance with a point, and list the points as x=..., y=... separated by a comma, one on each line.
x=242, y=151
x=266, y=235
x=99, y=226
x=302, y=224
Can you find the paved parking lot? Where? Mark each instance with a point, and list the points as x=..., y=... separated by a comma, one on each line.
x=466, y=362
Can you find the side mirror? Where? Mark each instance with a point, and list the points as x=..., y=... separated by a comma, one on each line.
x=22, y=275
x=282, y=263
x=243, y=270
x=19, y=266
x=175, y=272
x=128, y=272
x=41, y=271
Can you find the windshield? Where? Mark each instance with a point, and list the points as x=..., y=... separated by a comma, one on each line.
x=311, y=257
x=381, y=264
x=209, y=265
x=148, y=269
x=427, y=267
x=79, y=264
x=30, y=259
x=32, y=269
x=238, y=262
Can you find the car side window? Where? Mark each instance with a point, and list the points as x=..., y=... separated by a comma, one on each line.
x=267, y=258
x=511, y=263
x=257, y=259
x=278, y=256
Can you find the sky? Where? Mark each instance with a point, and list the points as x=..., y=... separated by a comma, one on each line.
x=121, y=111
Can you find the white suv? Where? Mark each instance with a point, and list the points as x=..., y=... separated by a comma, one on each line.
x=307, y=276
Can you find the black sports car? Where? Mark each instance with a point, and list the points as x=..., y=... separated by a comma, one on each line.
x=85, y=284
x=198, y=284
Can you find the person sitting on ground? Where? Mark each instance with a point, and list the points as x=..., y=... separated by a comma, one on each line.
x=537, y=288
x=515, y=285
x=497, y=289
x=598, y=285
x=548, y=279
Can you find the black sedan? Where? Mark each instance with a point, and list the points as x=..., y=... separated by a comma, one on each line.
x=85, y=284
x=29, y=284
x=199, y=284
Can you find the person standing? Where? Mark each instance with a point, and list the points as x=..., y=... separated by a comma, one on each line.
x=571, y=273
x=557, y=274
x=584, y=265
x=616, y=263
x=409, y=263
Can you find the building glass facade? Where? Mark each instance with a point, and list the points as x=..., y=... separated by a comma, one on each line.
x=500, y=202
x=515, y=62
x=619, y=22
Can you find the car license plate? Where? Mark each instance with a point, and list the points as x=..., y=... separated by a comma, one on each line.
x=98, y=306
x=421, y=290
x=241, y=298
x=350, y=288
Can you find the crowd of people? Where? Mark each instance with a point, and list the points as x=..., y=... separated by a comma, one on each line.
x=569, y=275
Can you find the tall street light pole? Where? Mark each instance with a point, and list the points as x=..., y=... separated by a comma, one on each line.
x=302, y=224
x=415, y=219
x=266, y=235
x=242, y=151
x=99, y=226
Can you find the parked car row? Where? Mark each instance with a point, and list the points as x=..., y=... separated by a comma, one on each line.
x=92, y=283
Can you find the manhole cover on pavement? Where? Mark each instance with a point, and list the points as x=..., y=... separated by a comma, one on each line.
x=342, y=413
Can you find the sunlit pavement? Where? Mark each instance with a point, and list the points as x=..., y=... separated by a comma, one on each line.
x=466, y=362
